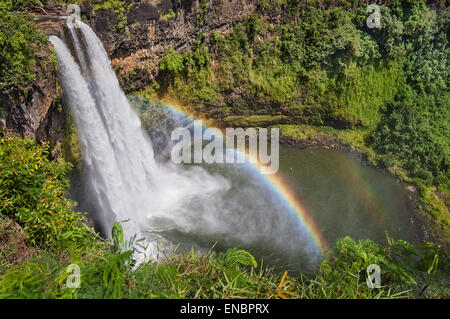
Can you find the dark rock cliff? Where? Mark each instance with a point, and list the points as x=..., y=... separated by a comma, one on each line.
x=35, y=110
x=136, y=53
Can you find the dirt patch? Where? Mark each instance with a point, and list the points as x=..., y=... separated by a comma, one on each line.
x=328, y=142
x=13, y=247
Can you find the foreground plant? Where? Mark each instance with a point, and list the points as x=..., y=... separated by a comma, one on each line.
x=407, y=272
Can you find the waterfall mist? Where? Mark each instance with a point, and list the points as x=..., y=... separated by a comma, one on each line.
x=163, y=202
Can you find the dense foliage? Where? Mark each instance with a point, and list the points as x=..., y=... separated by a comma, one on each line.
x=19, y=40
x=406, y=271
x=32, y=190
x=194, y=67
x=10, y=5
x=324, y=66
x=415, y=129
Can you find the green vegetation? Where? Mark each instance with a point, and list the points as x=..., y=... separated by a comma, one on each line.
x=320, y=72
x=407, y=269
x=382, y=91
x=255, y=120
x=201, y=18
x=434, y=203
x=19, y=41
x=325, y=67
x=193, y=68
x=32, y=190
x=10, y=5
x=121, y=23
x=109, y=273
x=169, y=15
x=70, y=148
x=115, y=5
x=32, y=195
x=2, y=112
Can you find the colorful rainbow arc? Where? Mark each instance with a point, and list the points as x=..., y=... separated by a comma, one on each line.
x=276, y=184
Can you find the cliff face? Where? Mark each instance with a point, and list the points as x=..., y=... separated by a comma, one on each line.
x=136, y=35
x=149, y=28
x=34, y=109
x=152, y=26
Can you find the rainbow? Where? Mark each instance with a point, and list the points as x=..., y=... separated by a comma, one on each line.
x=365, y=191
x=274, y=181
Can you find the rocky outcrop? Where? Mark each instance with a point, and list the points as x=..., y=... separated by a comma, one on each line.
x=34, y=109
x=152, y=26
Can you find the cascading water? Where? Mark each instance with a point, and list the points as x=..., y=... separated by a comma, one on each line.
x=164, y=201
x=77, y=45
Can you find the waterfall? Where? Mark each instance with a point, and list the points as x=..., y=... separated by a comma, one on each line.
x=98, y=151
x=127, y=183
x=77, y=45
x=123, y=175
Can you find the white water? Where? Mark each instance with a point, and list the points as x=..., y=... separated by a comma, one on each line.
x=126, y=183
x=123, y=175
x=78, y=49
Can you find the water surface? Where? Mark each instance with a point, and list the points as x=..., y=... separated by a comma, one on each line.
x=343, y=196
x=349, y=198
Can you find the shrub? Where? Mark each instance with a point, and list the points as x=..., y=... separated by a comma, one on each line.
x=32, y=190
x=10, y=5
x=414, y=129
x=405, y=270
x=19, y=40
x=116, y=5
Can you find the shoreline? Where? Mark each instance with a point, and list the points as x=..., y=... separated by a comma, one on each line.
x=328, y=141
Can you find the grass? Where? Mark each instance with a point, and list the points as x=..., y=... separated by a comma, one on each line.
x=108, y=272
x=433, y=206
x=20, y=41
x=41, y=236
